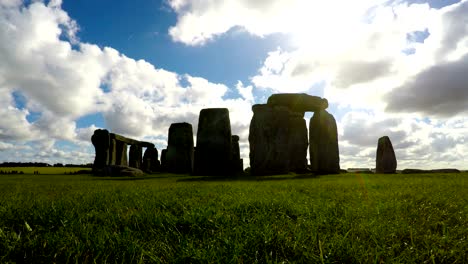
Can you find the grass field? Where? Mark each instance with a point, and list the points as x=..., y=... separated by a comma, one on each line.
x=347, y=218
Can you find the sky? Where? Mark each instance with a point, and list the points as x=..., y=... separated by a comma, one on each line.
x=395, y=68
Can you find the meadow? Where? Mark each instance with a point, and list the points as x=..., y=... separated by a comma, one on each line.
x=164, y=218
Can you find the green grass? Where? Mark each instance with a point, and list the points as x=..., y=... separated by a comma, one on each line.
x=348, y=218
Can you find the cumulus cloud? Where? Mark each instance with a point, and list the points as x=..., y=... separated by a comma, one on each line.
x=62, y=79
x=418, y=143
x=440, y=90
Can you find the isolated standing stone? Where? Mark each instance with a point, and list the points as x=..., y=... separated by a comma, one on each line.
x=101, y=141
x=298, y=143
x=213, y=152
x=135, y=156
x=180, y=150
x=150, y=160
x=323, y=140
x=298, y=102
x=386, y=160
x=269, y=140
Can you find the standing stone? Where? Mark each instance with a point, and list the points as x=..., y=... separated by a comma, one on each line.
x=213, y=153
x=237, y=162
x=323, y=140
x=298, y=143
x=121, y=153
x=386, y=160
x=135, y=158
x=269, y=140
x=163, y=160
x=101, y=142
x=112, y=152
x=180, y=151
x=150, y=160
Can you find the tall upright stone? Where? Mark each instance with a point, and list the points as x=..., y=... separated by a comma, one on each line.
x=237, y=162
x=323, y=140
x=386, y=160
x=163, y=160
x=298, y=143
x=150, y=160
x=135, y=156
x=269, y=135
x=101, y=142
x=213, y=151
x=180, y=149
x=121, y=153
x=113, y=151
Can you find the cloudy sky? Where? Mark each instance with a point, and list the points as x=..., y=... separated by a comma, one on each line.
x=396, y=68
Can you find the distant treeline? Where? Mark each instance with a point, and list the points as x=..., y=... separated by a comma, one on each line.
x=42, y=164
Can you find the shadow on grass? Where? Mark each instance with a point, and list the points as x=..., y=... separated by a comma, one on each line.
x=249, y=178
x=138, y=178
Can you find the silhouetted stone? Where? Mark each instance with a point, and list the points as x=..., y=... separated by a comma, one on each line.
x=298, y=143
x=150, y=160
x=298, y=102
x=269, y=140
x=386, y=161
x=213, y=152
x=135, y=156
x=237, y=162
x=323, y=140
x=163, y=160
x=101, y=141
x=180, y=151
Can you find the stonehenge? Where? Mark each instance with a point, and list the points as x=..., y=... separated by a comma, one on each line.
x=323, y=140
x=111, y=150
x=237, y=163
x=213, y=152
x=386, y=160
x=278, y=136
x=278, y=139
x=180, y=150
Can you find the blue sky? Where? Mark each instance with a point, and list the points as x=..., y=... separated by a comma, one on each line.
x=134, y=67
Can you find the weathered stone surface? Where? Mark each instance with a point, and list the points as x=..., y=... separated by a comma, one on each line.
x=213, y=152
x=298, y=102
x=150, y=160
x=112, y=152
x=180, y=149
x=237, y=162
x=323, y=140
x=121, y=153
x=101, y=142
x=135, y=156
x=269, y=135
x=298, y=143
x=386, y=160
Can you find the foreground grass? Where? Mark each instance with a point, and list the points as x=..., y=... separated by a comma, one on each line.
x=347, y=218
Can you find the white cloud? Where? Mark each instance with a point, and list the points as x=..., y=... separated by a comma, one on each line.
x=357, y=54
x=62, y=80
